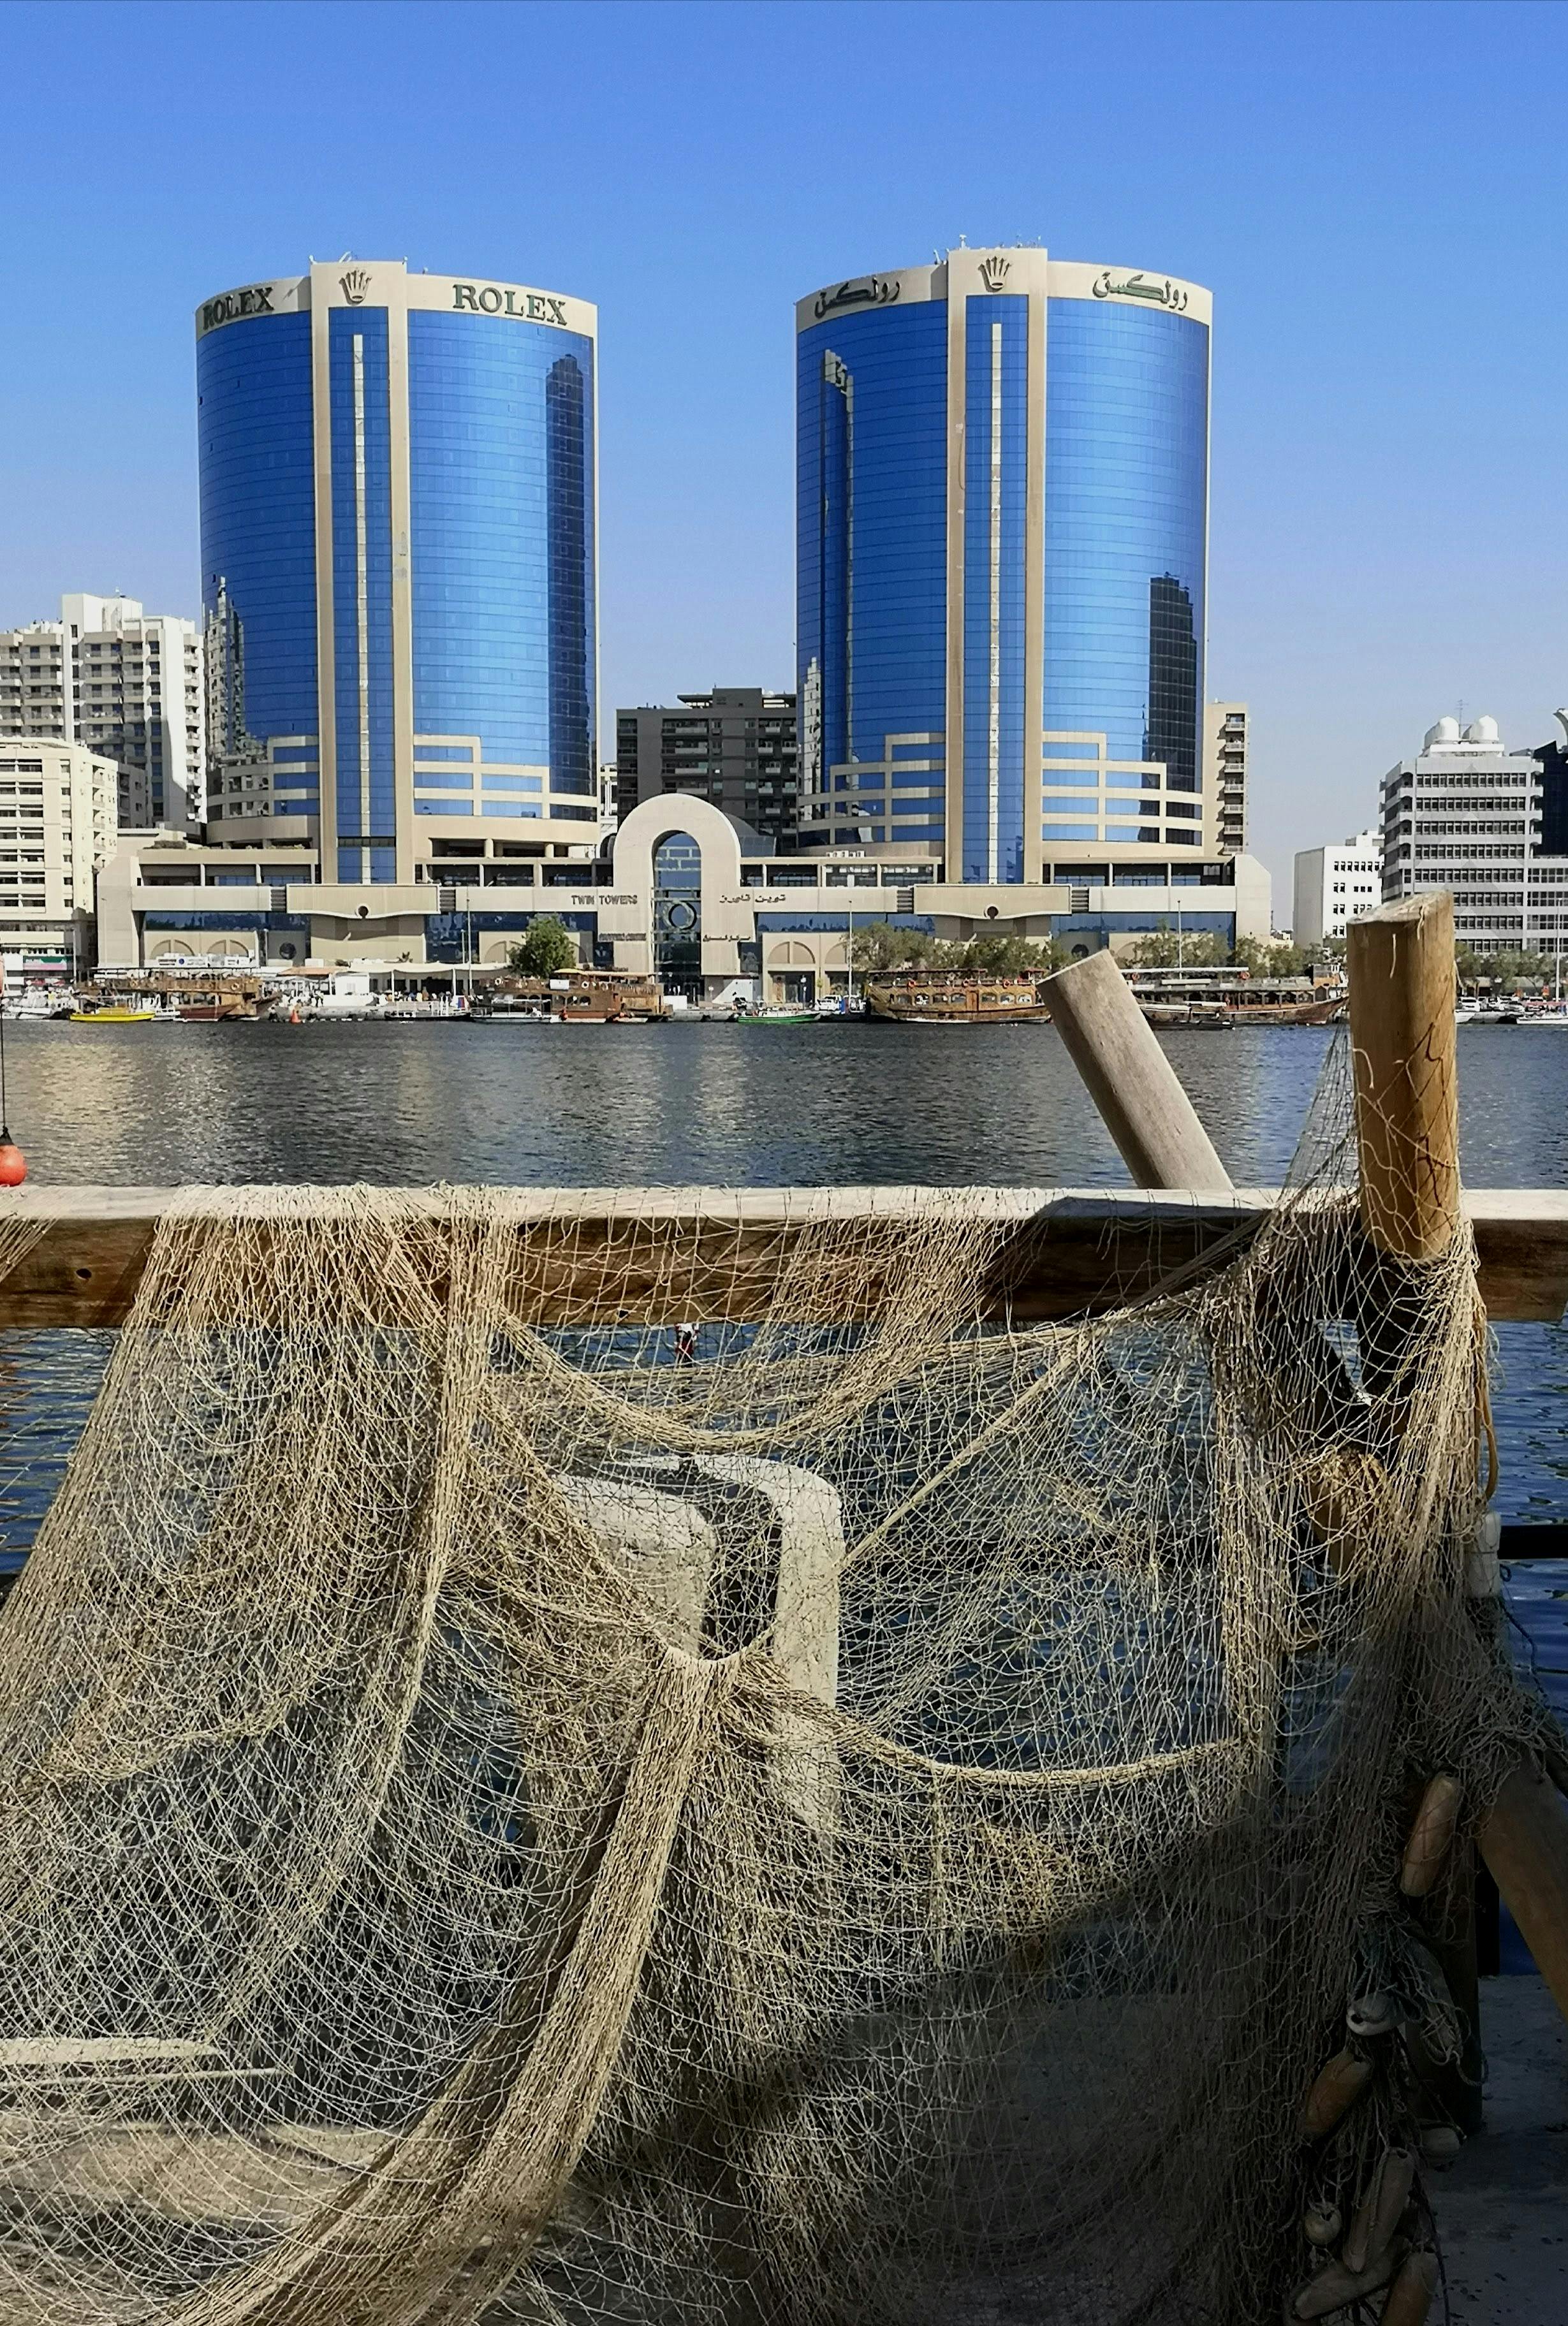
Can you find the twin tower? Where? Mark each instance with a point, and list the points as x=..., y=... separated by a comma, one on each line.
x=1002, y=482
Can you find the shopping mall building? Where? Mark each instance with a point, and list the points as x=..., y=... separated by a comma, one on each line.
x=681, y=888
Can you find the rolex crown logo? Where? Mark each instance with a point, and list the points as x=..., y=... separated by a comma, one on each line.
x=355, y=283
x=994, y=271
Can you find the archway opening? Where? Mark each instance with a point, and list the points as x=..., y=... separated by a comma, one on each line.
x=678, y=915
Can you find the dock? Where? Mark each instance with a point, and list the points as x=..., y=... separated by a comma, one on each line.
x=1075, y=1252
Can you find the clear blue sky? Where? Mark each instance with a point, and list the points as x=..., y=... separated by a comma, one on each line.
x=1374, y=194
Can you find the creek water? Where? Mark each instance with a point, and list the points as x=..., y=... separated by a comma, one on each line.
x=411, y=1101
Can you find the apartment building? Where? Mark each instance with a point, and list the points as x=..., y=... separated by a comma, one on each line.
x=125, y=684
x=736, y=747
x=1225, y=726
x=56, y=828
x=1488, y=823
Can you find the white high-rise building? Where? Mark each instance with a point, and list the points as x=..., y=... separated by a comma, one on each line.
x=56, y=828
x=1468, y=815
x=1335, y=886
x=126, y=684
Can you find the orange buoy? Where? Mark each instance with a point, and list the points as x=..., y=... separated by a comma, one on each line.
x=12, y=1162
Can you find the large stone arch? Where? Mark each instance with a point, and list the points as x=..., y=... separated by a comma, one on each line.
x=727, y=916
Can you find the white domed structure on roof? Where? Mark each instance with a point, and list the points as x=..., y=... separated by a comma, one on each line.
x=1446, y=730
x=1482, y=731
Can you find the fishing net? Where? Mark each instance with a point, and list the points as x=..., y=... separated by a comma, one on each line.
x=679, y=1772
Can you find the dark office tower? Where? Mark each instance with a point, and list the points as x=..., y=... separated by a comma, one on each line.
x=734, y=746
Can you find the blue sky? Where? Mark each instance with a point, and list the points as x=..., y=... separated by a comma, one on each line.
x=1374, y=193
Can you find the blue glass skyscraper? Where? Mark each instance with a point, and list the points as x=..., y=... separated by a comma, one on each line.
x=398, y=549
x=1003, y=495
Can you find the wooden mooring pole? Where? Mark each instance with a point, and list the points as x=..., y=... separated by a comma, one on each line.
x=1132, y=1082
x=1403, y=1038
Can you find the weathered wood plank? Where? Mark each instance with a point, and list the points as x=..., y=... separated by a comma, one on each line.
x=597, y=1255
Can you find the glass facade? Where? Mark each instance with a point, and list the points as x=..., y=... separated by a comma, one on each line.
x=872, y=530
x=258, y=546
x=1100, y=555
x=501, y=502
x=495, y=438
x=677, y=911
x=1126, y=500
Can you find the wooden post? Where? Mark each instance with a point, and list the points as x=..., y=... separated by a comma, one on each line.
x=1129, y=1077
x=1525, y=1844
x=1401, y=1036
x=1402, y=1032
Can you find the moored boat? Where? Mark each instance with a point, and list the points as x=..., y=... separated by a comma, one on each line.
x=915, y=999
x=1229, y=997
x=592, y=997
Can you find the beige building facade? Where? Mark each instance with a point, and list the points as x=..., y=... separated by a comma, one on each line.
x=56, y=828
x=682, y=890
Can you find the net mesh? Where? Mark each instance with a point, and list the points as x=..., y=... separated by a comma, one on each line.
x=633, y=1776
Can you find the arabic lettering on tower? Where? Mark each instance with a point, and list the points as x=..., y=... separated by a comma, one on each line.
x=1159, y=292
x=862, y=291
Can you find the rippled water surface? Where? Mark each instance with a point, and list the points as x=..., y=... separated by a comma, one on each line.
x=721, y=1104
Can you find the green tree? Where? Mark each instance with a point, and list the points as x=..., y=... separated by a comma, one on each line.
x=879, y=948
x=1268, y=957
x=878, y=945
x=1513, y=969
x=1009, y=955
x=1163, y=949
x=548, y=949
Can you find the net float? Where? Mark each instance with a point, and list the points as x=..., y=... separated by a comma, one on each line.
x=1335, y=2288
x=1411, y=2294
x=1372, y=2015
x=1378, y=2217
x=1336, y=2088
x=1431, y=1836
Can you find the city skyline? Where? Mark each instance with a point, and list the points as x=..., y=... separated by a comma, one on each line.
x=1385, y=452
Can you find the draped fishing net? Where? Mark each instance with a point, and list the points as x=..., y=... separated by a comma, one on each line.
x=868, y=1810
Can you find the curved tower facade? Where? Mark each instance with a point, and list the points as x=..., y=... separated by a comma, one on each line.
x=398, y=539
x=1003, y=494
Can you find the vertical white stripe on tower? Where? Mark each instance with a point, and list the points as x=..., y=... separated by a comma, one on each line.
x=361, y=601
x=994, y=710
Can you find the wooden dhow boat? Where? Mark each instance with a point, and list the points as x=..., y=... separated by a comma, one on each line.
x=912, y=1000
